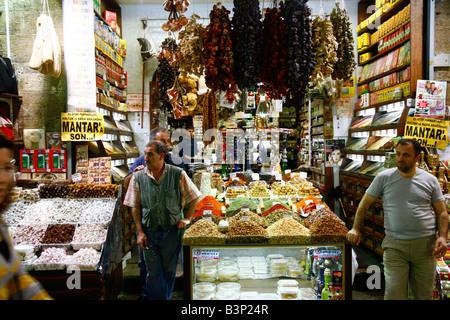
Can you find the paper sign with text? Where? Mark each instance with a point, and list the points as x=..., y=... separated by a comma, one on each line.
x=82, y=126
x=429, y=132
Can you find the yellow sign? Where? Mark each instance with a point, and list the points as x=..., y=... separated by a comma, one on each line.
x=82, y=126
x=429, y=132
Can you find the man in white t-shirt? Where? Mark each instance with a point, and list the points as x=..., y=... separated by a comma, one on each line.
x=415, y=221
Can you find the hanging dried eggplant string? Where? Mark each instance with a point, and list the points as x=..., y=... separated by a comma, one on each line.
x=191, y=45
x=325, y=49
x=219, y=60
x=274, y=71
x=167, y=72
x=299, y=46
x=247, y=43
x=346, y=64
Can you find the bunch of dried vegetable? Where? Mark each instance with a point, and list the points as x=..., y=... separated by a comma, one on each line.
x=210, y=120
x=191, y=45
x=346, y=64
x=219, y=60
x=301, y=61
x=246, y=40
x=325, y=49
x=274, y=71
x=177, y=19
x=167, y=73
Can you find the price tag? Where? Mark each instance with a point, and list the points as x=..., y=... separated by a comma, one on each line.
x=245, y=218
x=77, y=177
x=255, y=176
x=320, y=206
x=278, y=176
x=288, y=216
x=205, y=254
x=287, y=171
x=245, y=209
x=207, y=211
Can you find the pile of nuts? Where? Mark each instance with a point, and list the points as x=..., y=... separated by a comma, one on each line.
x=246, y=231
x=59, y=233
x=234, y=192
x=84, y=190
x=317, y=214
x=288, y=230
x=328, y=228
x=285, y=191
x=248, y=215
x=259, y=191
x=47, y=191
x=278, y=214
x=203, y=231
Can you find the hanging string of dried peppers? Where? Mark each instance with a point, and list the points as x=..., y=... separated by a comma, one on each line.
x=274, y=71
x=219, y=60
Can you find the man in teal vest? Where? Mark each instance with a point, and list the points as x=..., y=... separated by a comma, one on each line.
x=155, y=196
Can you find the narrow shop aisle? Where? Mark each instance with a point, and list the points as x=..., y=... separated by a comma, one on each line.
x=365, y=259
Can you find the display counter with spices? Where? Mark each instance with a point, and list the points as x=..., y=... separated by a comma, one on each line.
x=245, y=248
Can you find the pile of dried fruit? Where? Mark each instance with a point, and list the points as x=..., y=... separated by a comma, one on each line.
x=246, y=40
x=343, y=33
x=301, y=61
x=274, y=71
x=219, y=60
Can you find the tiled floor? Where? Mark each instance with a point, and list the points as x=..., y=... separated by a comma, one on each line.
x=360, y=291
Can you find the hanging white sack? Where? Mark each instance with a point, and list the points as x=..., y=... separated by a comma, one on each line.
x=46, y=55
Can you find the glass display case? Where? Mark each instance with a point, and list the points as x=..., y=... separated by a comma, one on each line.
x=315, y=271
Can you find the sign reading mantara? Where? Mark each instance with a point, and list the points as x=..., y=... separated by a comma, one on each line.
x=82, y=126
x=429, y=132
